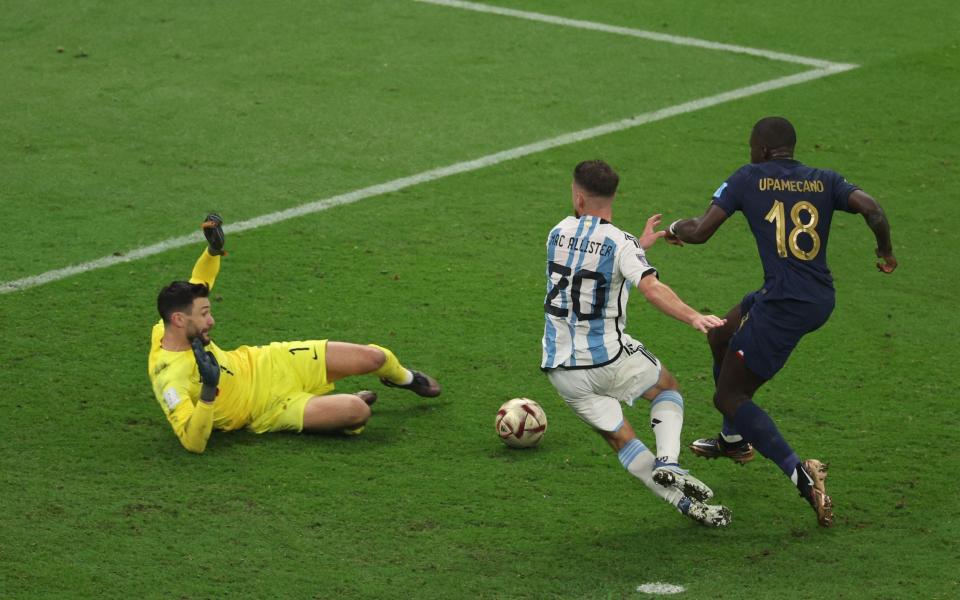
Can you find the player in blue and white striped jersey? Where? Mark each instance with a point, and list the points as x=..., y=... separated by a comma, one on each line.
x=588, y=356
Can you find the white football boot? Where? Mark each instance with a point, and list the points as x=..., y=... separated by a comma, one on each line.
x=672, y=476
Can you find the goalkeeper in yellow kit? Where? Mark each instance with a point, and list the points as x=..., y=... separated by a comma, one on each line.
x=283, y=386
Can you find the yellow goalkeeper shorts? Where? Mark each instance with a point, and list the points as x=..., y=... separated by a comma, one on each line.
x=297, y=371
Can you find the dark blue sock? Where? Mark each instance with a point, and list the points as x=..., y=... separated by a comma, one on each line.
x=756, y=426
x=728, y=429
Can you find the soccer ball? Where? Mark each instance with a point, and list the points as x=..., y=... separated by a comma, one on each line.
x=521, y=423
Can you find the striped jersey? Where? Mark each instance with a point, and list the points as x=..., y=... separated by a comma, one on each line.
x=590, y=263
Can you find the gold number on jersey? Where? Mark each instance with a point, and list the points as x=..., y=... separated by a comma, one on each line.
x=777, y=216
x=807, y=228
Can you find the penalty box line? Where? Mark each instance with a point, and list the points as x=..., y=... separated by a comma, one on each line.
x=827, y=69
x=637, y=33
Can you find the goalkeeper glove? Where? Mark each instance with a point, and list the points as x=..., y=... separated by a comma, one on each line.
x=213, y=231
x=209, y=370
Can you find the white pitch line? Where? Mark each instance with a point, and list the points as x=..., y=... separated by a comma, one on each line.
x=435, y=174
x=637, y=33
x=426, y=176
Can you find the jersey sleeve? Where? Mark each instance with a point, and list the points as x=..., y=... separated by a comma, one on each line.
x=206, y=269
x=841, y=191
x=727, y=196
x=191, y=419
x=634, y=265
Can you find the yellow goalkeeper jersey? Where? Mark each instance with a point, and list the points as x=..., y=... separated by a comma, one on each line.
x=176, y=380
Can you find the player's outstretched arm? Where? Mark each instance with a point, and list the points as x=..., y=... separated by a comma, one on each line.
x=698, y=229
x=666, y=301
x=208, y=265
x=650, y=234
x=876, y=220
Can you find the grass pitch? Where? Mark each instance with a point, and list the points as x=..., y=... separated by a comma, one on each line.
x=152, y=115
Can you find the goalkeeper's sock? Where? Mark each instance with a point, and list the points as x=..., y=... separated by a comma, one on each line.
x=666, y=420
x=759, y=428
x=392, y=370
x=638, y=461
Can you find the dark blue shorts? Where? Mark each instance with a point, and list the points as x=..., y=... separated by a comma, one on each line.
x=770, y=330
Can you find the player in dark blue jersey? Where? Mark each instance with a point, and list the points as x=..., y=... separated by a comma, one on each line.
x=789, y=207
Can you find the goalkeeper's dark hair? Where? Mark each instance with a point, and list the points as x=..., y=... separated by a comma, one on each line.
x=597, y=178
x=179, y=297
x=775, y=132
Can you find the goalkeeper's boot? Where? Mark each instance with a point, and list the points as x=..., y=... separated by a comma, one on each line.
x=672, y=476
x=422, y=385
x=367, y=396
x=739, y=452
x=811, y=474
x=709, y=515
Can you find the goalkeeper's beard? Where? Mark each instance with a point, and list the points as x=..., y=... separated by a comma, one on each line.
x=201, y=335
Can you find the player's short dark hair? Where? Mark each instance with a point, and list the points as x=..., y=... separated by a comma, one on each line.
x=775, y=132
x=179, y=297
x=597, y=177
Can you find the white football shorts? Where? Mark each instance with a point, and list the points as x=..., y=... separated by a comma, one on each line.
x=595, y=394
